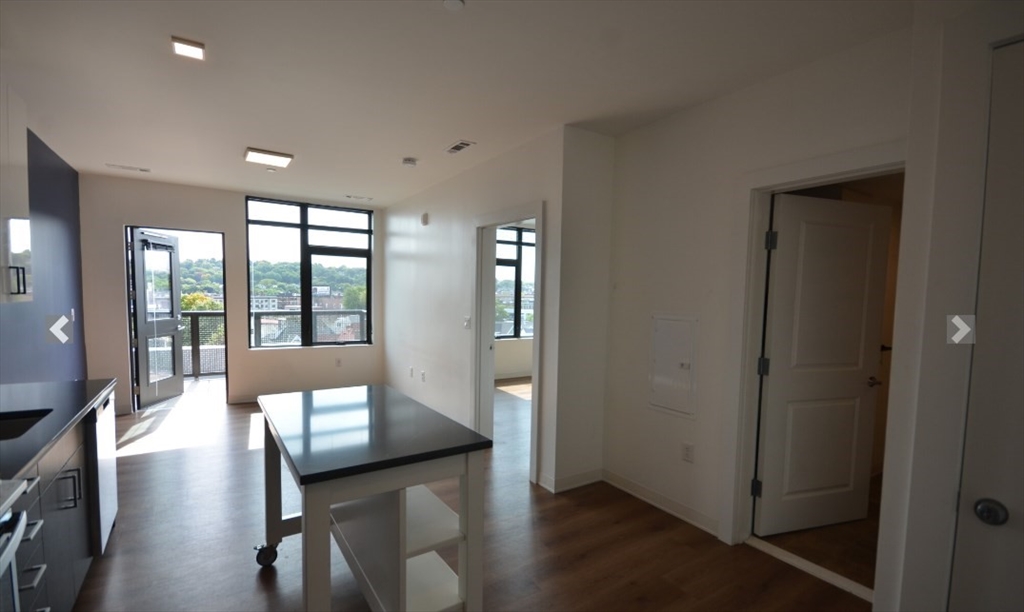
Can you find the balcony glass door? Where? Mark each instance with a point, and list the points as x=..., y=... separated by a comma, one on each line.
x=155, y=310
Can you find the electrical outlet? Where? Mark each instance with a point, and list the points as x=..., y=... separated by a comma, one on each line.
x=423, y=376
x=688, y=452
x=337, y=362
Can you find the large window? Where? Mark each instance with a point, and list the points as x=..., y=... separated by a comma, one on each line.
x=513, y=286
x=309, y=274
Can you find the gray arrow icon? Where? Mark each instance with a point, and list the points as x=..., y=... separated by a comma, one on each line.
x=960, y=329
x=55, y=325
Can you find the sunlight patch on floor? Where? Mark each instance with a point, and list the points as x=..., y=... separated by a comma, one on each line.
x=193, y=419
x=255, y=431
x=521, y=388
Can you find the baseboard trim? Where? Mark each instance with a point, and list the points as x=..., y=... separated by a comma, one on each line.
x=578, y=480
x=658, y=500
x=813, y=569
x=547, y=482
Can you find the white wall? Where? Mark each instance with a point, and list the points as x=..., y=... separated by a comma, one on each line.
x=679, y=246
x=434, y=267
x=438, y=263
x=513, y=358
x=939, y=256
x=587, y=197
x=108, y=204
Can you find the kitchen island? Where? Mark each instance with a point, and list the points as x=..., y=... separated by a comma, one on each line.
x=360, y=456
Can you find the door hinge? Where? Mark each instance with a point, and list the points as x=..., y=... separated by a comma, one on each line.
x=135, y=343
x=771, y=240
x=755, y=488
x=762, y=366
x=136, y=390
x=131, y=295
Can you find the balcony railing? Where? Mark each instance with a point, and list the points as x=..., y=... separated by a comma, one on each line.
x=203, y=347
x=202, y=343
x=284, y=327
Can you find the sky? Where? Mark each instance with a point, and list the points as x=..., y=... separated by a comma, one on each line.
x=196, y=245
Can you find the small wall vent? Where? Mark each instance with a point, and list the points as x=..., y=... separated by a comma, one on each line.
x=459, y=145
x=128, y=168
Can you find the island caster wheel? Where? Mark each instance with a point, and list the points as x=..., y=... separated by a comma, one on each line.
x=266, y=554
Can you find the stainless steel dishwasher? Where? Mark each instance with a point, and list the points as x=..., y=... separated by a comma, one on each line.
x=101, y=440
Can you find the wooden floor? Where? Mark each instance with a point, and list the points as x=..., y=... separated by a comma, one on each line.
x=519, y=387
x=191, y=492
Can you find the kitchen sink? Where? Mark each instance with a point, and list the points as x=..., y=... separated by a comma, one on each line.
x=14, y=423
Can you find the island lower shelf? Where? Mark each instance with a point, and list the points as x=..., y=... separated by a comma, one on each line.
x=390, y=542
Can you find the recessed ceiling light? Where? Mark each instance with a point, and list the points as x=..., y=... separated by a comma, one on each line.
x=268, y=158
x=189, y=48
x=454, y=5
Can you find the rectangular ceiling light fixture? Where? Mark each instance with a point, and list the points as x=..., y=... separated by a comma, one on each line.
x=189, y=48
x=268, y=158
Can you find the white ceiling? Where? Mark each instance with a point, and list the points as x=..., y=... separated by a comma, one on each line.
x=350, y=88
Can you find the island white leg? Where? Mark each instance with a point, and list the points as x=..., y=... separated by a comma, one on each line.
x=316, y=547
x=471, y=523
x=272, y=483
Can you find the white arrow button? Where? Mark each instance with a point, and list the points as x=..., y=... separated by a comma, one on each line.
x=962, y=329
x=57, y=329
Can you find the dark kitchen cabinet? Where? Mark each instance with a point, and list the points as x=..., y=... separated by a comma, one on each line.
x=57, y=457
x=65, y=513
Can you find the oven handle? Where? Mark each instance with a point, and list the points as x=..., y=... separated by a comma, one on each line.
x=11, y=538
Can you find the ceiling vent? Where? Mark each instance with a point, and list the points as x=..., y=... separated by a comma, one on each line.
x=459, y=145
x=128, y=168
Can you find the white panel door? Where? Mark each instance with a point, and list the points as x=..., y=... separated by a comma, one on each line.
x=826, y=289
x=988, y=562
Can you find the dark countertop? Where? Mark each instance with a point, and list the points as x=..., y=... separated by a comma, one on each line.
x=333, y=433
x=68, y=401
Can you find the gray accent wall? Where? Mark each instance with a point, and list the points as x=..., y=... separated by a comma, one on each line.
x=26, y=355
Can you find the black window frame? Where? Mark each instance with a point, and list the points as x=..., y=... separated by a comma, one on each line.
x=517, y=265
x=306, y=254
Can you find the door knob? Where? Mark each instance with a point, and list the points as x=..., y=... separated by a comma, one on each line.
x=873, y=382
x=991, y=512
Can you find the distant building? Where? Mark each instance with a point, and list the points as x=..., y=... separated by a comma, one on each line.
x=263, y=302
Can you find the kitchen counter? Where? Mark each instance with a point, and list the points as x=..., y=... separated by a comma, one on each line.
x=68, y=403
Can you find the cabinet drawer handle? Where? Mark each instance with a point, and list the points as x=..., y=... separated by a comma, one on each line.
x=32, y=530
x=39, y=570
x=32, y=482
x=20, y=280
x=74, y=475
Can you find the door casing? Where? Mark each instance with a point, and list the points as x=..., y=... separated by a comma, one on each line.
x=758, y=187
x=483, y=321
